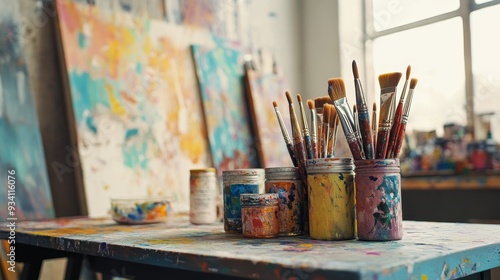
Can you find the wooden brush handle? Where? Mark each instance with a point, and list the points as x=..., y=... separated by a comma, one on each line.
x=292, y=154
x=301, y=160
x=399, y=140
x=365, y=130
x=394, y=131
x=314, y=148
x=382, y=141
x=307, y=140
x=355, y=147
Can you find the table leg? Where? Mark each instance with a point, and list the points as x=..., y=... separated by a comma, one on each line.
x=31, y=270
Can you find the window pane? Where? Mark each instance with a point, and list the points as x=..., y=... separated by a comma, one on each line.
x=435, y=53
x=482, y=1
x=391, y=13
x=486, y=66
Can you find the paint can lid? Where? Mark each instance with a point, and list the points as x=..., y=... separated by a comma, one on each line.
x=330, y=165
x=244, y=172
x=202, y=170
x=284, y=173
x=382, y=165
x=258, y=199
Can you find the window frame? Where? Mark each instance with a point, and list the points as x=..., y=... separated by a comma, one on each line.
x=466, y=7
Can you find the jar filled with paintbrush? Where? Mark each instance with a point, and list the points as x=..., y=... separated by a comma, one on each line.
x=378, y=200
x=331, y=198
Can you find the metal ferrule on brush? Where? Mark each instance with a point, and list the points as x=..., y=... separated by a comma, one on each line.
x=406, y=108
x=305, y=128
x=360, y=97
x=346, y=119
x=288, y=140
x=387, y=108
x=314, y=137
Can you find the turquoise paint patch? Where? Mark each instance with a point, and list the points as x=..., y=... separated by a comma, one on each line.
x=82, y=40
x=131, y=132
x=138, y=68
x=90, y=124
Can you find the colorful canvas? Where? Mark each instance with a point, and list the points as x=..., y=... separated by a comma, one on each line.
x=135, y=102
x=263, y=89
x=21, y=151
x=220, y=77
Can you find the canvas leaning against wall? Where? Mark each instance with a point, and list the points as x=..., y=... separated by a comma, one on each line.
x=22, y=159
x=220, y=77
x=135, y=103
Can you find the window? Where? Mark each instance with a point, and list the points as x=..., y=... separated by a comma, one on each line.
x=452, y=46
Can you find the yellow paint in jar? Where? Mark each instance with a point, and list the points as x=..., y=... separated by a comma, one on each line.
x=330, y=183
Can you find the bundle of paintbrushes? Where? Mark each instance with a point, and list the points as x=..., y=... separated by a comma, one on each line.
x=382, y=139
x=367, y=139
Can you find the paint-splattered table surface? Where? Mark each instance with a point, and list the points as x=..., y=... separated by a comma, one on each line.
x=428, y=250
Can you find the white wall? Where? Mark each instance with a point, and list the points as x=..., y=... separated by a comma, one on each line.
x=320, y=41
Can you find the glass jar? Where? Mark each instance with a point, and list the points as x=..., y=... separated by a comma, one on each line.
x=203, y=196
x=378, y=200
x=235, y=183
x=287, y=183
x=331, y=198
x=259, y=215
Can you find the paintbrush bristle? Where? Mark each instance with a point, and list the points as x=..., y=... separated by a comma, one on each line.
x=319, y=102
x=310, y=104
x=388, y=80
x=333, y=116
x=355, y=69
x=374, y=106
x=326, y=113
x=354, y=108
x=275, y=104
x=336, y=88
x=289, y=97
x=299, y=98
x=413, y=83
x=408, y=71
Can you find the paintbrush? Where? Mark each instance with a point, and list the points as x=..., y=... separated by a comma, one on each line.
x=286, y=136
x=336, y=90
x=325, y=129
x=374, y=124
x=298, y=141
x=388, y=87
x=363, y=117
x=356, y=125
x=404, y=118
x=333, y=121
x=319, y=102
x=305, y=128
x=314, y=138
x=397, y=118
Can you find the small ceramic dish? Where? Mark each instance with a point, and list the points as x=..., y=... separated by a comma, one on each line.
x=144, y=210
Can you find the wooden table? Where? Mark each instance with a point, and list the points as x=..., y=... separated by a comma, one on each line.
x=428, y=250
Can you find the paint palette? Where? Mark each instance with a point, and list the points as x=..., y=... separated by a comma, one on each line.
x=140, y=210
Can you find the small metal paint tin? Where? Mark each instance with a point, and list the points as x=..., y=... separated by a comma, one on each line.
x=203, y=196
x=259, y=215
x=287, y=183
x=331, y=198
x=378, y=200
x=237, y=182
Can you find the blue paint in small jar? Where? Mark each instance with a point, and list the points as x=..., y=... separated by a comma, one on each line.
x=235, y=183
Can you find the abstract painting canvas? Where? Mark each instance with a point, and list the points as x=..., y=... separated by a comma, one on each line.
x=135, y=102
x=220, y=76
x=262, y=90
x=21, y=151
